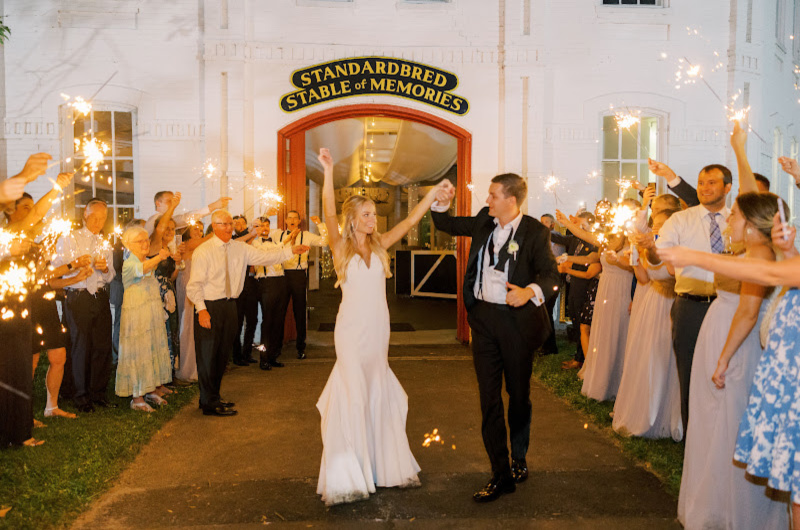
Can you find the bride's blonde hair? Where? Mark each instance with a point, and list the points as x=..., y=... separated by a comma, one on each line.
x=350, y=210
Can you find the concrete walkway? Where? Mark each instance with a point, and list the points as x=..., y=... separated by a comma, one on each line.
x=261, y=466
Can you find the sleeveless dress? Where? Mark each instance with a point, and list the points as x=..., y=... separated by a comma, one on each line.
x=187, y=370
x=769, y=434
x=649, y=399
x=602, y=370
x=715, y=492
x=144, y=360
x=363, y=406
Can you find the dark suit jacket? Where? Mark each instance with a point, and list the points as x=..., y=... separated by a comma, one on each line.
x=117, y=290
x=686, y=192
x=534, y=263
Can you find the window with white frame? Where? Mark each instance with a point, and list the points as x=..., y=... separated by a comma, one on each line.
x=633, y=2
x=114, y=180
x=625, y=152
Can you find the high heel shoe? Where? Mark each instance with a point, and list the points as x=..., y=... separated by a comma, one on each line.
x=144, y=407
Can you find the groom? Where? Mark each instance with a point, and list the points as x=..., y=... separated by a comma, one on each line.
x=511, y=272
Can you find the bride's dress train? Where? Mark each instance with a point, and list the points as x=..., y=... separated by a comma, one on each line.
x=363, y=405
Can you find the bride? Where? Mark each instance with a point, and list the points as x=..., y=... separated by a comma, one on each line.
x=363, y=406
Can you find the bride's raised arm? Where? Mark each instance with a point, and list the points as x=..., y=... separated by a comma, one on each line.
x=329, y=200
x=400, y=229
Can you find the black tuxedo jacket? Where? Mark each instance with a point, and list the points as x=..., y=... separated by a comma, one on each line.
x=534, y=263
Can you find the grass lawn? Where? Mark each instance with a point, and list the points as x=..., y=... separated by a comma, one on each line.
x=662, y=457
x=49, y=485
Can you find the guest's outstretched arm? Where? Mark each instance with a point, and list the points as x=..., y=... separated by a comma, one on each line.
x=747, y=180
x=163, y=222
x=42, y=205
x=758, y=271
x=576, y=230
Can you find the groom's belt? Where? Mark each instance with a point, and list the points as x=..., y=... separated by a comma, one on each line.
x=706, y=299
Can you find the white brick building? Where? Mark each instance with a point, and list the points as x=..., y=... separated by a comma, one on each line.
x=202, y=80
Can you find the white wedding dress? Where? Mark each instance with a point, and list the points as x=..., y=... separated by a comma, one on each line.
x=363, y=406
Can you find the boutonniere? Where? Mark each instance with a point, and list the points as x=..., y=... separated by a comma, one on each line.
x=513, y=248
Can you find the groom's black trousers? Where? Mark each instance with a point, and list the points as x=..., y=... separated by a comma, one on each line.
x=498, y=350
x=213, y=348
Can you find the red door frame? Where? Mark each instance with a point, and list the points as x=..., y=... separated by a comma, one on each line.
x=292, y=171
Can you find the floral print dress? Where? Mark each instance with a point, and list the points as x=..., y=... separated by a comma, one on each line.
x=769, y=433
x=163, y=274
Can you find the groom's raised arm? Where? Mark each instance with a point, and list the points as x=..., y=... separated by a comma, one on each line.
x=442, y=220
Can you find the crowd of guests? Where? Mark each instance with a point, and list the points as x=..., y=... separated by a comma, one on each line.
x=689, y=354
x=688, y=319
x=137, y=300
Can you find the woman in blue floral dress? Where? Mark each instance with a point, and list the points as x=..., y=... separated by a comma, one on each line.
x=769, y=432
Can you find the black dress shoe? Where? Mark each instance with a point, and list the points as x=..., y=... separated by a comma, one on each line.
x=104, y=403
x=301, y=355
x=252, y=360
x=265, y=366
x=86, y=407
x=497, y=486
x=276, y=364
x=239, y=362
x=219, y=411
x=519, y=470
x=227, y=404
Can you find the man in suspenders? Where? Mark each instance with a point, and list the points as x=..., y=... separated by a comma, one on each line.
x=296, y=272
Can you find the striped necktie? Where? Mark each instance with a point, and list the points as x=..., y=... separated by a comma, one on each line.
x=715, y=236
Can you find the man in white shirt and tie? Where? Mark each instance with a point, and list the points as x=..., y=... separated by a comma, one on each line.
x=87, y=309
x=296, y=272
x=699, y=227
x=219, y=267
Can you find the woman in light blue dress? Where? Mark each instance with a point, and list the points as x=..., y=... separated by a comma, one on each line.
x=144, y=360
x=768, y=442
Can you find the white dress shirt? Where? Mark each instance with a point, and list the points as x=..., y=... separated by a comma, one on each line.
x=267, y=271
x=691, y=228
x=207, y=280
x=181, y=220
x=493, y=288
x=297, y=262
x=80, y=243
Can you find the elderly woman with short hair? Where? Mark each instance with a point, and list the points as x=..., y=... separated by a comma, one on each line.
x=144, y=361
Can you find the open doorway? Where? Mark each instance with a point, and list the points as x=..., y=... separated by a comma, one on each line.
x=393, y=154
x=394, y=162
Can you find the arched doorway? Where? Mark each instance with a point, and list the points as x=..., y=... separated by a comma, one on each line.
x=292, y=171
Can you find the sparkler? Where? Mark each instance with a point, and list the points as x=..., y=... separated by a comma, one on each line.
x=550, y=185
x=93, y=151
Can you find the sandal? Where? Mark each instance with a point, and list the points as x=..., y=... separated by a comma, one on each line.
x=165, y=391
x=32, y=442
x=55, y=411
x=155, y=399
x=37, y=424
x=144, y=407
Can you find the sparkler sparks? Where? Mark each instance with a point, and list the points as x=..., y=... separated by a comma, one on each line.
x=433, y=437
x=93, y=151
x=626, y=120
x=80, y=105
